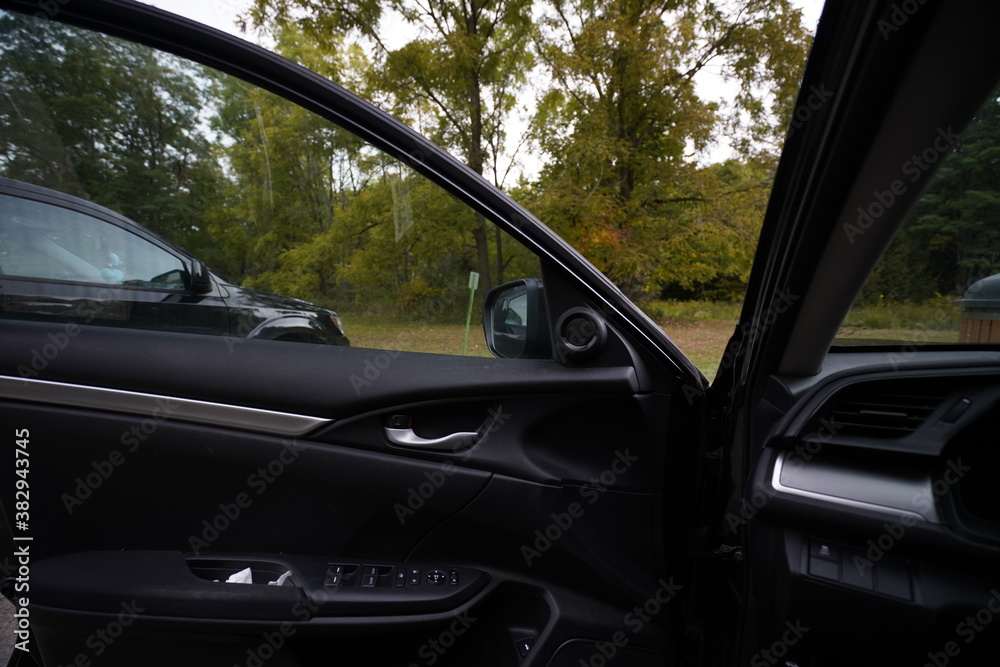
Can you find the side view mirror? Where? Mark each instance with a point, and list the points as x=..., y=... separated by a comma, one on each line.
x=516, y=321
x=200, y=280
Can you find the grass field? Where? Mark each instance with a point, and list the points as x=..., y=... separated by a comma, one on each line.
x=398, y=333
x=700, y=328
x=701, y=338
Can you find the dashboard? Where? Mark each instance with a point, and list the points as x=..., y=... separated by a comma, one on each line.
x=874, y=500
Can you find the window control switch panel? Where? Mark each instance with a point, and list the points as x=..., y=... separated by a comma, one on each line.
x=353, y=587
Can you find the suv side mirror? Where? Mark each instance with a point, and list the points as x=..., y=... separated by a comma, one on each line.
x=200, y=280
x=516, y=321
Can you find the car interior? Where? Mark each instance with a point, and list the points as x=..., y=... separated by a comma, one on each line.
x=582, y=498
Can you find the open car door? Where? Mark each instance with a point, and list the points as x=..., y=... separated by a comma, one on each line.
x=183, y=498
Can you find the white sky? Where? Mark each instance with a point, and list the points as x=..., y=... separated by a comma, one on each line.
x=222, y=14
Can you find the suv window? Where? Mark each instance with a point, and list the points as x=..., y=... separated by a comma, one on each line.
x=40, y=240
x=310, y=233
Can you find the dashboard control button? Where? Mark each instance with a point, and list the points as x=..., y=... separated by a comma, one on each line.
x=436, y=577
x=414, y=577
x=824, y=569
x=892, y=577
x=857, y=571
x=824, y=549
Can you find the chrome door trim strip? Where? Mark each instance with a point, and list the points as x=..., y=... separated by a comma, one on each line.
x=159, y=407
x=839, y=500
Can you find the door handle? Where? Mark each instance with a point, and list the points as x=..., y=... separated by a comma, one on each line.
x=405, y=437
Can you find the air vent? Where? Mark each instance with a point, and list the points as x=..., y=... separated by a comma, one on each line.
x=886, y=410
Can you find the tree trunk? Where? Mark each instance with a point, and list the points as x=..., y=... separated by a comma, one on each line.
x=476, y=161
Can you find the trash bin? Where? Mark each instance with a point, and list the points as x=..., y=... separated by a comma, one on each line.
x=981, y=319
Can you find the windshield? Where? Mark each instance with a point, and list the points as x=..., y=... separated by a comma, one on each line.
x=939, y=281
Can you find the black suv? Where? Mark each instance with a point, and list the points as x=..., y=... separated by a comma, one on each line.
x=75, y=261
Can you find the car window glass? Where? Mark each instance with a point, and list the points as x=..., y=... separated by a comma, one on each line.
x=939, y=281
x=310, y=233
x=44, y=241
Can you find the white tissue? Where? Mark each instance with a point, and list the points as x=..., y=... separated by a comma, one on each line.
x=241, y=577
x=280, y=581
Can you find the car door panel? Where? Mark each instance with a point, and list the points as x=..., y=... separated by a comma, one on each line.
x=130, y=480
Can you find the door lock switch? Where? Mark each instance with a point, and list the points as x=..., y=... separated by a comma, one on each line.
x=399, y=421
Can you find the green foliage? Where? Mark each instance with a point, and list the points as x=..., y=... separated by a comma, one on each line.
x=685, y=312
x=623, y=114
x=464, y=70
x=938, y=313
x=279, y=199
x=952, y=237
x=106, y=120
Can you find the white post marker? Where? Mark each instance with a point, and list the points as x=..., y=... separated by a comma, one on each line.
x=473, y=286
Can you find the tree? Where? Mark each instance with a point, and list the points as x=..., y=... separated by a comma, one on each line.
x=290, y=172
x=623, y=118
x=107, y=120
x=952, y=236
x=465, y=68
